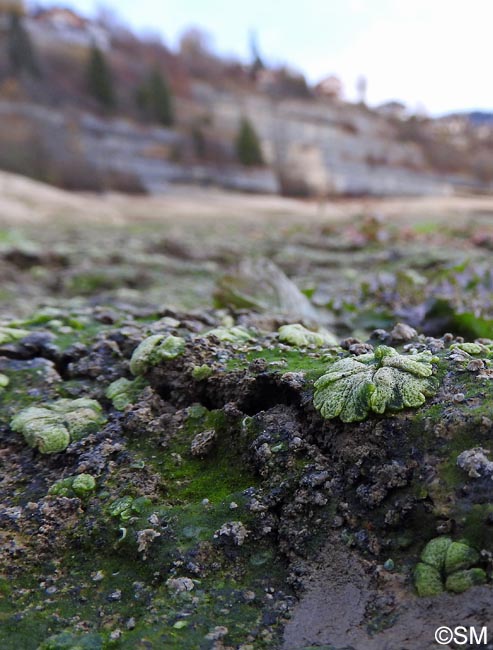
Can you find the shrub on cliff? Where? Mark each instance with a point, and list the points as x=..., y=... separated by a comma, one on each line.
x=99, y=79
x=21, y=54
x=248, y=147
x=154, y=98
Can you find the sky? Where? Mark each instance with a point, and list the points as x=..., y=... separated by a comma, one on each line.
x=430, y=54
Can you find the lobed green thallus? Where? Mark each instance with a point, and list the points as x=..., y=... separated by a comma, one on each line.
x=383, y=380
x=447, y=566
x=52, y=427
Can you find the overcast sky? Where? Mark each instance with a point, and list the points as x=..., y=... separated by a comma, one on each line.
x=434, y=53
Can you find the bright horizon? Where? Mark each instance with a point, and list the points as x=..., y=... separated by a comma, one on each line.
x=429, y=55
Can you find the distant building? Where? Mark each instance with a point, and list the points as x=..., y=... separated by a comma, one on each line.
x=330, y=87
x=394, y=109
x=12, y=6
x=63, y=26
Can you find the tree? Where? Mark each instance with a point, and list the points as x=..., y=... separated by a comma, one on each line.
x=257, y=63
x=154, y=98
x=248, y=147
x=21, y=53
x=99, y=78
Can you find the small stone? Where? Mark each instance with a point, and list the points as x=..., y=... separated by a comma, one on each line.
x=445, y=527
x=403, y=332
x=180, y=585
x=295, y=380
x=475, y=462
x=203, y=443
x=360, y=348
x=296, y=442
x=264, y=452
x=115, y=595
x=233, y=505
x=319, y=499
x=145, y=538
x=217, y=633
x=475, y=364
x=234, y=530
x=380, y=334
x=458, y=398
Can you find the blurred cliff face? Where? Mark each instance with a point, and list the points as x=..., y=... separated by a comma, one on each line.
x=86, y=104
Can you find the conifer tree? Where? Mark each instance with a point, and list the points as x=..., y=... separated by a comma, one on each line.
x=257, y=63
x=99, y=78
x=154, y=98
x=20, y=50
x=160, y=99
x=248, y=147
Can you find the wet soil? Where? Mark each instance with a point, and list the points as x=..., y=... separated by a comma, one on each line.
x=227, y=513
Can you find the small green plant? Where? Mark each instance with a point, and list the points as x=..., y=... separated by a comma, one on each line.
x=82, y=486
x=52, y=427
x=199, y=373
x=153, y=350
x=236, y=334
x=12, y=334
x=301, y=337
x=447, y=566
x=383, y=380
x=248, y=147
x=123, y=392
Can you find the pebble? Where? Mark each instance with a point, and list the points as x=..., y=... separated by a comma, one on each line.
x=115, y=595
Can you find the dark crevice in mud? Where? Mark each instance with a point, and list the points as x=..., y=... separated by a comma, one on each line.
x=267, y=393
x=262, y=394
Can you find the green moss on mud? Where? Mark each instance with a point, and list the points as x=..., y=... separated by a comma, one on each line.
x=220, y=474
x=282, y=360
x=105, y=581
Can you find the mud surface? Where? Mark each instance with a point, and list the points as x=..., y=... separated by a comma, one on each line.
x=222, y=511
x=337, y=608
